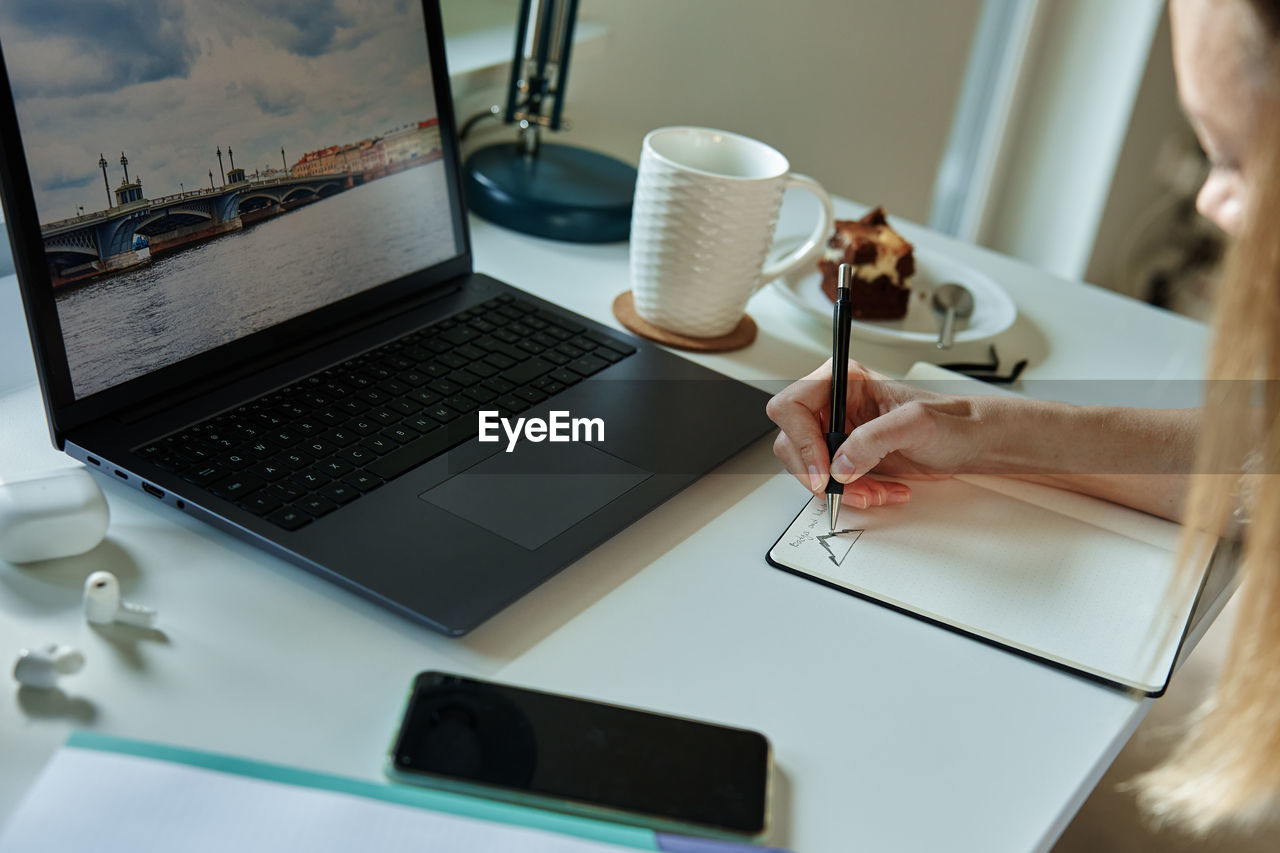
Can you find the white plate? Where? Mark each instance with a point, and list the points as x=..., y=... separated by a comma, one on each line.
x=993, y=308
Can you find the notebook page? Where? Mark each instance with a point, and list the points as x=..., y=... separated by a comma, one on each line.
x=1024, y=575
x=1118, y=519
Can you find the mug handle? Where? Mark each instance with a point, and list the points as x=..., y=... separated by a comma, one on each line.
x=808, y=253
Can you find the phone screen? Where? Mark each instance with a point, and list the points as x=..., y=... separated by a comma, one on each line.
x=571, y=749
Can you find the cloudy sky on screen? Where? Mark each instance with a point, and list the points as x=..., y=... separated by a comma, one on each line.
x=167, y=81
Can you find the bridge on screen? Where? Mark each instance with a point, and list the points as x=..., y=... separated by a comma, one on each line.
x=139, y=229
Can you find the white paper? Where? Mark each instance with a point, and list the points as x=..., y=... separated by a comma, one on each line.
x=111, y=803
x=1062, y=576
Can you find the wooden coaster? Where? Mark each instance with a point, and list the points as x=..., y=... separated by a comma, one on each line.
x=624, y=308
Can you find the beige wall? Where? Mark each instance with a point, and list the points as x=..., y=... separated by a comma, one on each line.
x=857, y=93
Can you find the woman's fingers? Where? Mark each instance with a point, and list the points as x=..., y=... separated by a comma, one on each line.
x=785, y=450
x=898, y=429
x=868, y=492
x=864, y=493
x=798, y=411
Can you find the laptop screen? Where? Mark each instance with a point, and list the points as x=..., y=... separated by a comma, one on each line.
x=205, y=170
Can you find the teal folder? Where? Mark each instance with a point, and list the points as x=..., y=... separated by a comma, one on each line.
x=440, y=801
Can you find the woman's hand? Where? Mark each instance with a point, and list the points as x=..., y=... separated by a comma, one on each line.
x=894, y=430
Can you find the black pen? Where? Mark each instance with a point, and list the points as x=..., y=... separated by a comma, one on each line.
x=836, y=435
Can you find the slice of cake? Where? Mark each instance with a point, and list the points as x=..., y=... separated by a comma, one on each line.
x=882, y=263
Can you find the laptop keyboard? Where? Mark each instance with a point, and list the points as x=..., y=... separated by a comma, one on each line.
x=300, y=452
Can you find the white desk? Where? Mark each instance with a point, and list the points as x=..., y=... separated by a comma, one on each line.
x=889, y=734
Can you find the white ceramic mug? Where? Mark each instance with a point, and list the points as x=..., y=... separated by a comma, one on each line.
x=702, y=223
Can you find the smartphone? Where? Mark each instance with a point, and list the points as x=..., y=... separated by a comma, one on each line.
x=581, y=757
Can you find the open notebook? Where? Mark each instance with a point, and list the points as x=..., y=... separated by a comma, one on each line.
x=1064, y=578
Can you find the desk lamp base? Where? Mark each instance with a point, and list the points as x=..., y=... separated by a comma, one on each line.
x=561, y=192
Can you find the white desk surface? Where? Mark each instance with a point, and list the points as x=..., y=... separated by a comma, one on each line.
x=889, y=734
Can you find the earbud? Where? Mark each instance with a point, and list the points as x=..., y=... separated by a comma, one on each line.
x=41, y=667
x=102, y=604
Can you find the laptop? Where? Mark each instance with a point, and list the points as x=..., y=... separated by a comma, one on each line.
x=244, y=259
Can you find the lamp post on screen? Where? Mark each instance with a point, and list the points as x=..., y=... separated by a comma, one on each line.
x=102, y=164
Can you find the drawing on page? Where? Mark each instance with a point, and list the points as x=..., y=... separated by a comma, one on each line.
x=843, y=543
x=810, y=528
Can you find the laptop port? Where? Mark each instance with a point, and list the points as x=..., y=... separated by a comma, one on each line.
x=153, y=491
x=93, y=461
x=122, y=475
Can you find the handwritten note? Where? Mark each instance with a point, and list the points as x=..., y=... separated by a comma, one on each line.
x=811, y=536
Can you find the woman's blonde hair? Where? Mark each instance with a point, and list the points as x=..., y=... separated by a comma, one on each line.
x=1227, y=767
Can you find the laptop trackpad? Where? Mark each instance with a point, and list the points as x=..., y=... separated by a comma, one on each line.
x=538, y=491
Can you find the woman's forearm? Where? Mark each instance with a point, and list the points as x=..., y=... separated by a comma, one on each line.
x=1137, y=457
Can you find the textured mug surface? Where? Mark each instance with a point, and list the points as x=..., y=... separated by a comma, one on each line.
x=702, y=223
